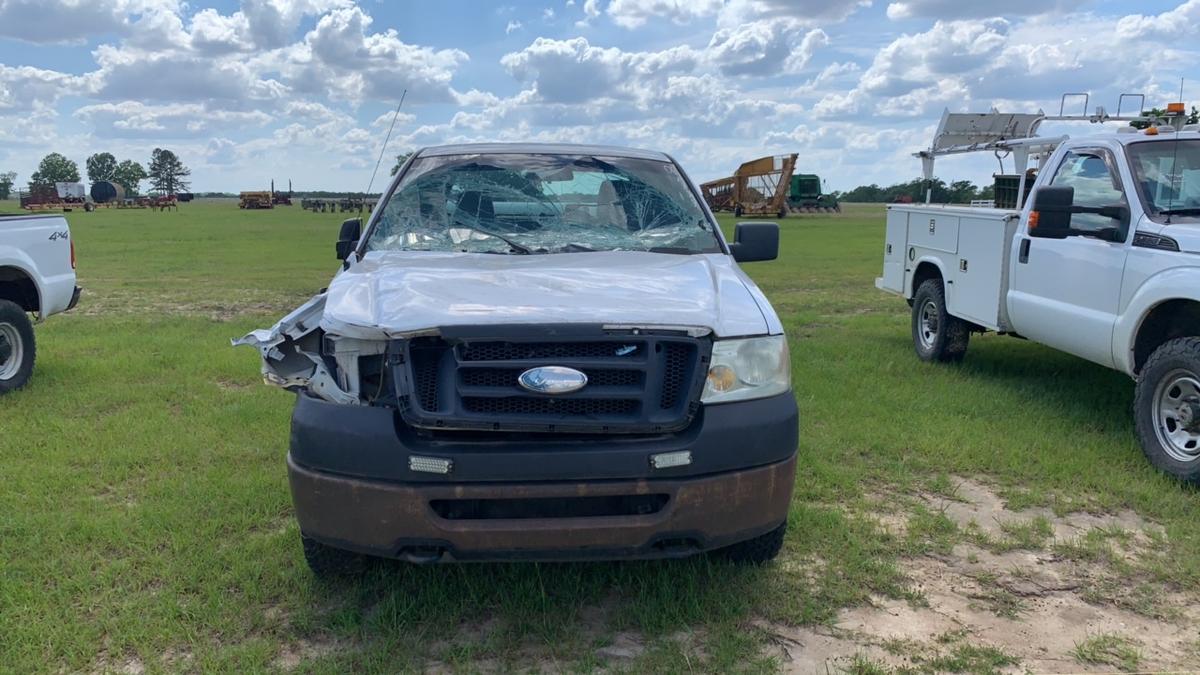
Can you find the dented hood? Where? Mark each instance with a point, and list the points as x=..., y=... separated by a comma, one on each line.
x=391, y=293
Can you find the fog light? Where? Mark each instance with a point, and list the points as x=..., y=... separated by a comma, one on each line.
x=671, y=459
x=429, y=464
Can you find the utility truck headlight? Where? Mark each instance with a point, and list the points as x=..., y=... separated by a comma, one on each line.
x=748, y=368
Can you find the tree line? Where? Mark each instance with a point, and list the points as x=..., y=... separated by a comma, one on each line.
x=958, y=192
x=166, y=173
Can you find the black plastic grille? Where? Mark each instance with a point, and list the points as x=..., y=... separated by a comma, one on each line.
x=522, y=405
x=674, y=374
x=511, y=351
x=508, y=377
x=635, y=383
x=425, y=372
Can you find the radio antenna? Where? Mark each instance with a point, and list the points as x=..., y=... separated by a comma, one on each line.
x=1175, y=171
x=385, y=142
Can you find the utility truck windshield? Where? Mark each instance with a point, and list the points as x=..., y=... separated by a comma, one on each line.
x=1168, y=176
x=536, y=203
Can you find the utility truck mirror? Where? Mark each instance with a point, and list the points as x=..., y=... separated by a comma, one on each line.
x=1051, y=214
x=755, y=241
x=348, y=237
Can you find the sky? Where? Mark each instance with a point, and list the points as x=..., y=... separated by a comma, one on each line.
x=304, y=90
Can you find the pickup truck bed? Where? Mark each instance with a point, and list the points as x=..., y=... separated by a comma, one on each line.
x=37, y=276
x=968, y=246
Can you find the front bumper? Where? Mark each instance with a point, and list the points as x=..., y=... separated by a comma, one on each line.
x=399, y=520
x=373, y=443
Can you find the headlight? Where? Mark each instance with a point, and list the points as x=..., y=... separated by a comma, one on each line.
x=748, y=368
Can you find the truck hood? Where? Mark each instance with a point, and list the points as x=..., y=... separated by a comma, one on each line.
x=392, y=293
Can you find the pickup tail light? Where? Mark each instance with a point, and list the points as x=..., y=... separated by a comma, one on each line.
x=72, y=241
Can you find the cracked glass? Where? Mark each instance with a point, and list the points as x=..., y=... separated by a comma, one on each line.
x=537, y=203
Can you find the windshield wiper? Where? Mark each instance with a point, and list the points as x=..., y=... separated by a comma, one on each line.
x=1184, y=211
x=523, y=250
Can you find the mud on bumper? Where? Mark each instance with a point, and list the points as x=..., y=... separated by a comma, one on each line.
x=630, y=519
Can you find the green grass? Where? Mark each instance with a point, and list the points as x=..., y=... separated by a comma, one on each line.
x=145, y=516
x=1109, y=649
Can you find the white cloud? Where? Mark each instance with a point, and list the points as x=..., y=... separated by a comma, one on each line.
x=134, y=119
x=42, y=21
x=957, y=9
x=573, y=71
x=765, y=47
x=1182, y=21
x=730, y=14
x=513, y=25
x=635, y=13
x=340, y=58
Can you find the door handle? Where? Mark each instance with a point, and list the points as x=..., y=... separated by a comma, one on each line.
x=1024, y=256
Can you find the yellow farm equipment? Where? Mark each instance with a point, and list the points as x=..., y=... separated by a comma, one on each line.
x=758, y=187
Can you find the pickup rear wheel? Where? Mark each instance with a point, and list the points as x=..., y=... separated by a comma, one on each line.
x=1167, y=408
x=17, y=348
x=937, y=336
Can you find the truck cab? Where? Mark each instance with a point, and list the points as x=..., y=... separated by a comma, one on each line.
x=1102, y=261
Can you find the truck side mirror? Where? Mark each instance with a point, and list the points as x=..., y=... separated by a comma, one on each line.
x=348, y=237
x=1051, y=214
x=755, y=241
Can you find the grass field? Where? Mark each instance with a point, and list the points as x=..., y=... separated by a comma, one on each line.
x=145, y=521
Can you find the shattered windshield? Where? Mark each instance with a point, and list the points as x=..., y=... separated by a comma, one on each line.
x=1168, y=176
x=522, y=204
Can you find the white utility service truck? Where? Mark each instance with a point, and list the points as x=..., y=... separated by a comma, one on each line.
x=1102, y=261
x=37, y=276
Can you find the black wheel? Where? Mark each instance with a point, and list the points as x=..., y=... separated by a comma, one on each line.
x=737, y=211
x=17, y=347
x=328, y=562
x=937, y=336
x=1166, y=408
x=782, y=213
x=757, y=551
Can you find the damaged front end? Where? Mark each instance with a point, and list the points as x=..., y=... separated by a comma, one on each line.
x=297, y=354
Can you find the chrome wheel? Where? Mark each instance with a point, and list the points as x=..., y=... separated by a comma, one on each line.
x=927, y=324
x=11, y=351
x=1177, y=415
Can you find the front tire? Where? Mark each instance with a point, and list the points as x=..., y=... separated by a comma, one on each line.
x=757, y=551
x=17, y=347
x=1166, y=408
x=937, y=335
x=327, y=562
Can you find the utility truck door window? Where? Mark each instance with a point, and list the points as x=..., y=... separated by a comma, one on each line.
x=1168, y=175
x=1094, y=185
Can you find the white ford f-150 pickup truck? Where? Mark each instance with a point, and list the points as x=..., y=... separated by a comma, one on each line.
x=37, y=276
x=1103, y=262
x=538, y=351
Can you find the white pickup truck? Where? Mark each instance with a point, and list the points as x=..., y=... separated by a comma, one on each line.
x=1103, y=262
x=37, y=276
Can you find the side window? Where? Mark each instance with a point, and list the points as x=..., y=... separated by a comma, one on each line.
x=1095, y=186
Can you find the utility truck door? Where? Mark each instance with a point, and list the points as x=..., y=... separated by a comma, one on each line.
x=1066, y=285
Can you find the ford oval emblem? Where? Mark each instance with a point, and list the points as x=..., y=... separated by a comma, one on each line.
x=552, y=380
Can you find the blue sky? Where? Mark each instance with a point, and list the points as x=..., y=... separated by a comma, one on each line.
x=302, y=89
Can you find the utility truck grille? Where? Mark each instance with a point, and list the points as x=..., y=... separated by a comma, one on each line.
x=471, y=379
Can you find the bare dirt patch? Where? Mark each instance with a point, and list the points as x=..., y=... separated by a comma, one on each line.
x=1006, y=598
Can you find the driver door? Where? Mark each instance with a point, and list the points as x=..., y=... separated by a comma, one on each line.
x=1066, y=292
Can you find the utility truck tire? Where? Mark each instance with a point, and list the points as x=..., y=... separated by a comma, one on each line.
x=757, y=551
x=17, y=347
x=1166, y=408
x=937, y=336
x=327, y=562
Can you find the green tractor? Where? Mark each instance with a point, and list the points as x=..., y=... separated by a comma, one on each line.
x=805, y=195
